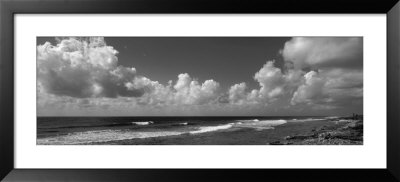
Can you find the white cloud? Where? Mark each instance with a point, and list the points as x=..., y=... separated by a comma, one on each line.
x=310, y=90
x=88, y=68
x=336, y=78
x=237, y=93
x=330, y=87
x=273, y=85
x=321, y=52
x=271, y=81
x=189, y=91
x=80, y=68
x=81, y=74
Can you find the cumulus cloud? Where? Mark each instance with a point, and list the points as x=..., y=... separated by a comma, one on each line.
x=88, y=68
x=189, y=91
x=310, y=90
x=336, y=76
x=271, y=80
x=83, y=68
x=83, y=74
x=323, y=52
x=186, y=91
x=273, y=85
x=335, y=87
x=237, y=93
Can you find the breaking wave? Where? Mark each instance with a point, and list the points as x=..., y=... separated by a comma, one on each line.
x=88, y=137
x=92, y=137
x=259, y=124
x=142, y=123
x=308, y=119
x=211, y=128
x=332, y=117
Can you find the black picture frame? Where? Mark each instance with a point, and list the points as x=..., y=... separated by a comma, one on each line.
x=9, y=8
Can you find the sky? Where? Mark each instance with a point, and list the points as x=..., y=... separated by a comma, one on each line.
x=199, y=76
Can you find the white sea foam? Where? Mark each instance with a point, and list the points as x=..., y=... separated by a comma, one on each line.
x=88, y=137
x=143, y=123
x=345, y=120
x=308, y=119
x=273, y=122
x=332, y=117
x=205, y=129
x=260, y=124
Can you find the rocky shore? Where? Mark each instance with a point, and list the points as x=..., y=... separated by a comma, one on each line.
x=345, y=132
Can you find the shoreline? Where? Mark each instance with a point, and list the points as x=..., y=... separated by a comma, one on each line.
x=328, y=132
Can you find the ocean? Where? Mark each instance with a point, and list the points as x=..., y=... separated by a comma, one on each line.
x=169, y=130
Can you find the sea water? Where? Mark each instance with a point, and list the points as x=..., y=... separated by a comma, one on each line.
x=89, y=130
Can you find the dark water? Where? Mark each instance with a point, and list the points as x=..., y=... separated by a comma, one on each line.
x=85, y=130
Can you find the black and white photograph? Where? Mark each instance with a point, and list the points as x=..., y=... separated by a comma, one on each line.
x=199, y=90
